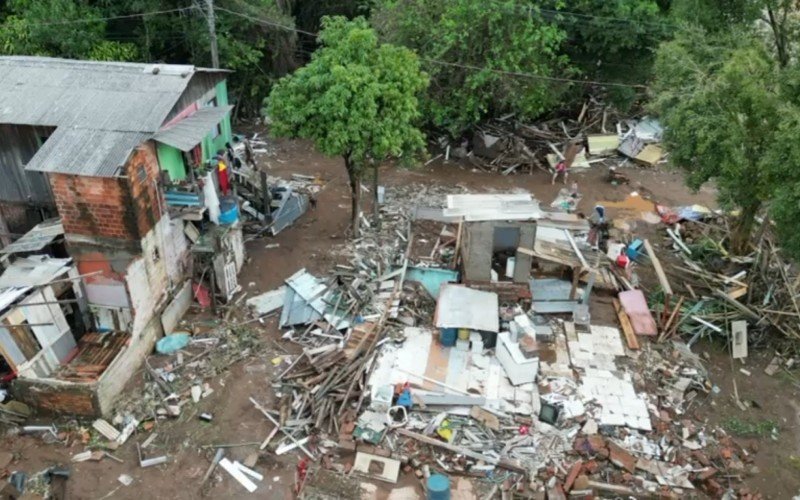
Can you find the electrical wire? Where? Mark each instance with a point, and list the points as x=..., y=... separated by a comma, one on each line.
x=112, y=18
x=453, y=64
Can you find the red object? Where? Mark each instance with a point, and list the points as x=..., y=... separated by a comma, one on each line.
x=561, y=166
x=222, y=174
x=202, y=295
x=300, y=474
x=622, y=261
x=524, y=430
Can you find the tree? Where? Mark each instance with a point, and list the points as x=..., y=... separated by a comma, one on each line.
x=469, y=47
x=721, y=100
x=356, y=98
x=57, y=28
x=613, y=40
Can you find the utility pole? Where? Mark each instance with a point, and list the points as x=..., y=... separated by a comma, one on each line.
x=212, y=34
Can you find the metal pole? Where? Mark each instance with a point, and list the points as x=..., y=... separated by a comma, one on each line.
x=212, y=34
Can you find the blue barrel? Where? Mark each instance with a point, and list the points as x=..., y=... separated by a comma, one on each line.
x=438, y=487
x=229, y=212
x=448, y=336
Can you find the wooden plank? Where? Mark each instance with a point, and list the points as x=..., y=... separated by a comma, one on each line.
x=662, y=277
x=627, y=328
x=505, y=464
x=575, y=249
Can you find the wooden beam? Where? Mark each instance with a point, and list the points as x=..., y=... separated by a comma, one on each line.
x=627, y=328
x=662, y=277
x=576, y=249
x=505, y=464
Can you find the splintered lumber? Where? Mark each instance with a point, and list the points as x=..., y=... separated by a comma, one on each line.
x=287, y=434
x=627, y=328
x=662, y=277
x=505, y=464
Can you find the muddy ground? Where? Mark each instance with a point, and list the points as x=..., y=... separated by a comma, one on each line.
x=312, y=243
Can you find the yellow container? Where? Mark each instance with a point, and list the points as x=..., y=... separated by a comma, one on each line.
x=463, y=334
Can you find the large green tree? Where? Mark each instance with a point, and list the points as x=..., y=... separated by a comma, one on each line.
x=471, y=48
x=357, y=98
x=58, y=28
x=724, y=104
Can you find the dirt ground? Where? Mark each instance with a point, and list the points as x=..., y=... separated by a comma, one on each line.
x=312, y=243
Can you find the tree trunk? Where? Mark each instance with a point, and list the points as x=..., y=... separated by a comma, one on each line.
x=779, y=33
x=743, y=228
x=354, y=177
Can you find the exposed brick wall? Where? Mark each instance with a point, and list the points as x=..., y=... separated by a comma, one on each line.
x=143, y=171
x=123, y=208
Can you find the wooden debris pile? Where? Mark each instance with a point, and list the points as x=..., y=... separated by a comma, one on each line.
x=508, y=145
x=719, y=288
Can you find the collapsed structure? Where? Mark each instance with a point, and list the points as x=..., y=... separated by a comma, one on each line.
x=109, y=141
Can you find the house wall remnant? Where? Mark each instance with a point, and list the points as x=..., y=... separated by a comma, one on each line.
x=479, y=245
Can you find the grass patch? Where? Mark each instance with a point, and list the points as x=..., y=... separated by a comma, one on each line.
x=749, y=428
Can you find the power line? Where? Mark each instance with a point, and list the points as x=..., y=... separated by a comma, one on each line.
x=452, y=64
x=264, y=21
x=112, y=18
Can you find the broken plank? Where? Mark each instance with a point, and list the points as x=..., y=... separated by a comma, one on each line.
x=627, y=328
x=505, y=464
x=662, y=277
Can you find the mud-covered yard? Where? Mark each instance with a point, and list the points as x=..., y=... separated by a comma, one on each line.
x=313, y=243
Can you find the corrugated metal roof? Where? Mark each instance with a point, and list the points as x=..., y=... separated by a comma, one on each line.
x=34, y=271
x=187, y=133
x=37, y=238
x=105, y=104
x=486, y=207
x=462, y=307
x=86, y=151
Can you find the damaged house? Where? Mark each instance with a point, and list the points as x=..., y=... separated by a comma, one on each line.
x=111, y=139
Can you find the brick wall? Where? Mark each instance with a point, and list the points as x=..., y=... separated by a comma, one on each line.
x=123, y=208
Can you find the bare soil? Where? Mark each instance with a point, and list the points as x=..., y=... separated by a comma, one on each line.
x=313, y=243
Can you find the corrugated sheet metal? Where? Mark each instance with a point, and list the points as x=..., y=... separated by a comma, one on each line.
x=34, y=271
x=104, y=104
x=37, y=238
x=110, y=96
x=462, y=307
x=86, y=152
x=189, y=132
x=484, y=207
x=18, y=144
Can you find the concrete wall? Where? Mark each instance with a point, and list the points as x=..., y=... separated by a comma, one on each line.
x=479, y=244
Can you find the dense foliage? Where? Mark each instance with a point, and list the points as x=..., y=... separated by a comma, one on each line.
x=357, y=98
x=729, y=100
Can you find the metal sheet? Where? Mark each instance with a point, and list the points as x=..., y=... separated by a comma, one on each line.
x=34, y=271
x=484, y=207
x=86, y=152
x=97, y=107
x=37, y=238
x=189, y=132
x=551, y=295
x=10, y=295
x=462, y=307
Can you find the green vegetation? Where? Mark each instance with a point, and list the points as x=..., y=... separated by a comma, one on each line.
x=750, y=428
x=357, y=99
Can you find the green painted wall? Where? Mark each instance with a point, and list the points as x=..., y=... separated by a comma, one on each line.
x=212, y=145
x=171, y=160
